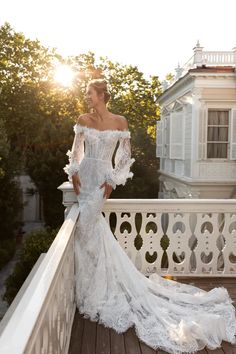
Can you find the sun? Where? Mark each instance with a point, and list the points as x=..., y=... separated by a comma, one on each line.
x=64, y=75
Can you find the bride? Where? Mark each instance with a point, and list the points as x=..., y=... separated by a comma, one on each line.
x=166, y=314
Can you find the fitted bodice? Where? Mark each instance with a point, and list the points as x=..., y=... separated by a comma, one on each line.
x=100, y=144
x=91, y=156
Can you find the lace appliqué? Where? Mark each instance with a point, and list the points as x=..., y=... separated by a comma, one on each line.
x=75, y=155
x=123, y=161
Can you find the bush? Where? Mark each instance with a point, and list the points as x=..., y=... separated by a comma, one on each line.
x=7, y=250
x=37, y=242
x=10, y=209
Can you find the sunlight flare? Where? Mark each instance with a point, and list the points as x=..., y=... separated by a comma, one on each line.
x=64, y=75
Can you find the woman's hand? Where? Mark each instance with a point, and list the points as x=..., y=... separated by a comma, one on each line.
x=107, y=191
x=76, y=183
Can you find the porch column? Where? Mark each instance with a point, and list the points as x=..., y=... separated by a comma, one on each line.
x=68, y=196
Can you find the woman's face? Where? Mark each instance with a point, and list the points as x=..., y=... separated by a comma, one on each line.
x=92, y=97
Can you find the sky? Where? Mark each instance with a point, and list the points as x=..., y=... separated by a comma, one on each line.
x=154, y=35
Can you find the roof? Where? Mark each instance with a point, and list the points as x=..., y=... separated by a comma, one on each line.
x=213, y=69
x=199, y=69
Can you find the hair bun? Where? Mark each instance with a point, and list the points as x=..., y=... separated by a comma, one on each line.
x=101, y=86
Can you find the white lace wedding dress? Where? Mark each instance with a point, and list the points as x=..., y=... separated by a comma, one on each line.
x=166, y=314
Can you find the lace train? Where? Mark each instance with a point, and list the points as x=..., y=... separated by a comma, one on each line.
x=166, y=314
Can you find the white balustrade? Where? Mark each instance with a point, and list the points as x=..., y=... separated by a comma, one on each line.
x=179, y=237
x=218, y=58
x=203, y=58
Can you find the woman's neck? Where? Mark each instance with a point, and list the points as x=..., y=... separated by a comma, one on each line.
x=102, y=113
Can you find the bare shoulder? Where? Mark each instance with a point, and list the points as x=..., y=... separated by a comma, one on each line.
x=121, y=122
x=84, y=119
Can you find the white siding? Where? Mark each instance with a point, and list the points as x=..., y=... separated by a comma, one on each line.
x=167, y=136
x=177, y=128
x=179, y=168
x=159, y=138
x=202, y=124
x=188, y=141
x=233, y=136
x=169, y=166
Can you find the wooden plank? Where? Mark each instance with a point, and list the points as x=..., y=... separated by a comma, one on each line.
x=103, y=340
x=215, y=351
x=159, y=351
x=146, y=349
x=76, y=334
x=86, y=340
x=131, y=342
x=89, y=337
x=117, y=342
x=229, y=348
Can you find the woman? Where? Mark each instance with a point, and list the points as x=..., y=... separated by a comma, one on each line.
x=166, y=314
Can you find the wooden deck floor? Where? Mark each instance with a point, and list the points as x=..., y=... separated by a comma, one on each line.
x=91, y=338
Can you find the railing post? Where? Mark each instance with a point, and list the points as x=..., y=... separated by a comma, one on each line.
x=197, y=55
x=164, y=85
x=68, y=197
x=234, y=53
x=179, y=72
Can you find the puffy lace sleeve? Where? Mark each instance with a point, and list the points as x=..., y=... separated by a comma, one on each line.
x=121, y=172
x=76, y=153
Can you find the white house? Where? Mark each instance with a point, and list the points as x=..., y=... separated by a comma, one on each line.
x=196, y=134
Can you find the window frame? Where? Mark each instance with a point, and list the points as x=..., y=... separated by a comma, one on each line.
x=227, y=158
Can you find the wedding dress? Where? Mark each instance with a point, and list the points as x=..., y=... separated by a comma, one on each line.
x=166, y=314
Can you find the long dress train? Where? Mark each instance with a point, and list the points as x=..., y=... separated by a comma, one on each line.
x=166, y=314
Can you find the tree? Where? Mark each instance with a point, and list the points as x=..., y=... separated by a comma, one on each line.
x=10, y=200
x=29, y=116
x=135, y=97
x=38, y=115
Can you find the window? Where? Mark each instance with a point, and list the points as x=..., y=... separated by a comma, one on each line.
x=217, y=134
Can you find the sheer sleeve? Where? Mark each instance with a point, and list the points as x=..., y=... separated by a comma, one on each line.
x=121, y=172
x=76, y=153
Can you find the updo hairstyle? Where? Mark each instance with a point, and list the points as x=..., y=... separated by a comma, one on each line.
x=100, y=86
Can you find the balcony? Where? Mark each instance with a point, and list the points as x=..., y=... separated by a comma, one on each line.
x=202, y=58
x=191, y=240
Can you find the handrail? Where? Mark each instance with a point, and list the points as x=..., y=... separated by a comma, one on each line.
x=19, y=334
x=171, y=205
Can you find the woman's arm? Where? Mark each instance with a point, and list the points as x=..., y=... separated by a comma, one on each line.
x=75, y=157
x=123, y=162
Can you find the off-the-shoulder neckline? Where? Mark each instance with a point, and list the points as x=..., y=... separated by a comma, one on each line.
x=102, y=131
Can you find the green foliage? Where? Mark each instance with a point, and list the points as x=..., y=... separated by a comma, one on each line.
x=10, y=206
x=4, y=149
x=38, y=116
x=7, y=250
x=10, y=200
x=169, y=77
x=37, y=242
x=135, y=97
x=29, y=111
